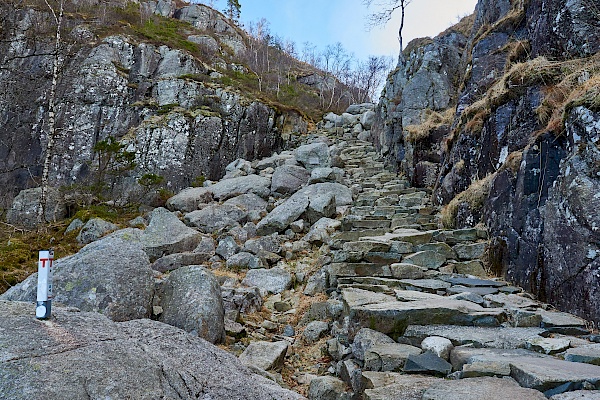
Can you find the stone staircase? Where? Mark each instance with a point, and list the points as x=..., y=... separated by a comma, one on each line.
x=419, y=306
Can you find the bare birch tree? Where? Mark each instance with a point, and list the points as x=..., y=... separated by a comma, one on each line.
x=52, y=133
x=386, y=9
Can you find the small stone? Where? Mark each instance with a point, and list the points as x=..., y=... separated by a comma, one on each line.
x=274, y=280
x=365, y=338
x=75, y=225
x=438, y=345
x=314, y=331
x=288, y=331
x=548, y=345
x=282, y=306
x=388, y=357
x=265, y=355
x=327, y=388
x=269, y=325
x=427, y=363
x=227, y=247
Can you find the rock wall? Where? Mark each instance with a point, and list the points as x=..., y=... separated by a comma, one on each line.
x=501, y=160
x=163, y=103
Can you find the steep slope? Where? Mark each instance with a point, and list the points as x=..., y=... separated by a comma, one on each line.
x=521, y=152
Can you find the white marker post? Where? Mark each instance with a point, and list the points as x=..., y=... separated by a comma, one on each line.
x=43, y=306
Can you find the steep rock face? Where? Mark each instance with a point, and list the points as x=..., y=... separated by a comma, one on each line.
x=161, y=102
x=564, y=29
x=572, y=222
x=424, y=79
x=501, y=162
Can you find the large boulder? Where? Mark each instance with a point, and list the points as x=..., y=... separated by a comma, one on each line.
x=288, y=179
x=94, y=229
x=322, y=196
x=166, y=234
x=24, y=209
x=313, y=155
x=191, y=300
x=81, y=355
x=111, y=276
x=248, y=202
x=189, y=199
x=274, y=280
x=216, y=217
x=283, y=215
x=228, y=188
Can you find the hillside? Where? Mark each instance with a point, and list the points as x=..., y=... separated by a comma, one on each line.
x=179, y=85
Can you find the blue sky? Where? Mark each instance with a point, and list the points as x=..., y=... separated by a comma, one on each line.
x=324, y=22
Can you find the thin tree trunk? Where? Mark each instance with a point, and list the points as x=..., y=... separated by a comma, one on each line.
x=51, y=113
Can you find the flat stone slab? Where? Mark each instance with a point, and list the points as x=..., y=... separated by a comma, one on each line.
x=555, y=319
x=545, y=374
x=584, y=354
x=510, y=301
x=472, y=282
x=393, y=317
x=500, y=338
x=407, y=271
x=412, y=295
x=480, y=389
x=427, y=259
x=386, y=386
x=359, y=269
x=482, y=291
x=548, y=345
x=358, y=297
x=426, y=285
x=486, y=368
x=470, y=251
x=462, y=356
x=413, y=236
x=578, y=395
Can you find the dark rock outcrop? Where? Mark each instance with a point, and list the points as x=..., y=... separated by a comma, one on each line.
x=509, y=158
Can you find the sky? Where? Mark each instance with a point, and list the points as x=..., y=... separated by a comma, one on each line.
x=324, y=22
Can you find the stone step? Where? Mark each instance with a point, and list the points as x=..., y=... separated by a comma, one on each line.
x=339, y=238
x=387, y=315
x=371, y=224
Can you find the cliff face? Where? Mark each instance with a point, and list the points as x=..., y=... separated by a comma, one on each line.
x=520, y=149
x=173, y=110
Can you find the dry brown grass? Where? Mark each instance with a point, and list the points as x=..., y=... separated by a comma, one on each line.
x=566, y=84
x=474, y=196
x=577, y=84
x=433, y=120
x=513, y=162
x=508, y=23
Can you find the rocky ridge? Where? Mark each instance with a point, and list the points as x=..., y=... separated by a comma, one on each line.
x=324, y=271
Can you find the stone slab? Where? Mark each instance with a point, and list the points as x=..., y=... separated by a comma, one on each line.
x=480, y=389
x=499, y=337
